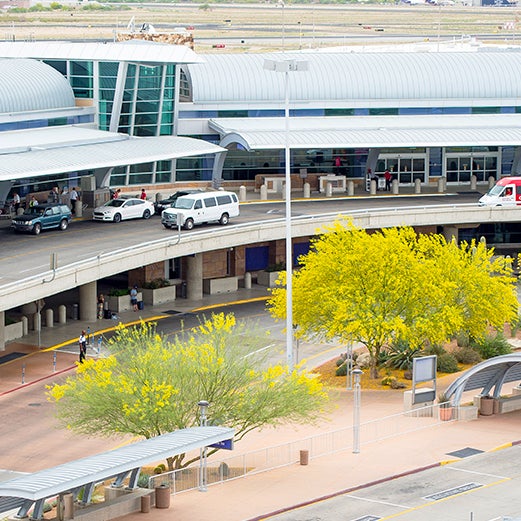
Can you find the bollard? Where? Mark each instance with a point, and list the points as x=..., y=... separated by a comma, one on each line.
x=25, y=325
x=242, y=193
x=373, y=187
x=329, y=189
x=350, y=188
x=247, y=280
x=417, y=186
x=473, y=182
x=491, y=181
x=78, y=209
x=54, y=361
x=307, y=190
x=37, y=322
x=263, y=192
x=395, y=187
x=145, y=504
x=440, y=185
x=304, y=457
x=75, y=312
x=49, y=317
x=62, y=314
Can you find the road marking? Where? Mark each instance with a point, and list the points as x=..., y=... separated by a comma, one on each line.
x=34, y=268
x=367, y=500
x=478, y=473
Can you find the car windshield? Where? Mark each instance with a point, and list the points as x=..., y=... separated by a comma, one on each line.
x=496, y=190
x=184, y=203
x=116, y=203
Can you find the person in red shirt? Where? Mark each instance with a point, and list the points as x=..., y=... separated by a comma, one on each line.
x=388, y=180
x=143, y=194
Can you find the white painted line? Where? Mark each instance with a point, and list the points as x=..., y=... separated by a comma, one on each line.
x=377, y=502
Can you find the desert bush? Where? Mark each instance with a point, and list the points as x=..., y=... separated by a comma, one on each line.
x=493, y=345
x=467, y=355
x=446, y=363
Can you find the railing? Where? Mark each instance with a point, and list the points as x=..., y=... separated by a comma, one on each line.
x=269, y=458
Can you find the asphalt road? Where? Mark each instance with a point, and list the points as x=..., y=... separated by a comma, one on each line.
x=25, y=255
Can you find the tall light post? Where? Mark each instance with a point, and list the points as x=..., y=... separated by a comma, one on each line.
x=203, y=405
x=286, y=66
x=356, y=411
x=281, y=3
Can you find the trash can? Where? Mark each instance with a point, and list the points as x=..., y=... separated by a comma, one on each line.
x=75, y=312
x=304, y=457
x=145, y=504
x=486, y=406
x=162, y=496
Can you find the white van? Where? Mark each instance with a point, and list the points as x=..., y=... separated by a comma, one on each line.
x=199, y=208
x=506, y=192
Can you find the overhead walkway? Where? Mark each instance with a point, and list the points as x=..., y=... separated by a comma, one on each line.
x=83, y=474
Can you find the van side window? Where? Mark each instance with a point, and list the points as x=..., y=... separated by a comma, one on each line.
x=224, y=199
x=198, y=205
x=209, y=202
x=234, y=198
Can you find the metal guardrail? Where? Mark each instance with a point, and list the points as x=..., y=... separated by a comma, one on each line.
x=270, y=458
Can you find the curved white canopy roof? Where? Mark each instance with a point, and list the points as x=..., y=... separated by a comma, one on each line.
x=29, y=85
x=459, y=77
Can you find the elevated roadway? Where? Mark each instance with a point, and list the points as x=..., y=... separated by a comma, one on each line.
x=89, y=251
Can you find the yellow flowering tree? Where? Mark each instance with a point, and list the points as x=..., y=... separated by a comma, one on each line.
x=149, y=385
x=377, y=288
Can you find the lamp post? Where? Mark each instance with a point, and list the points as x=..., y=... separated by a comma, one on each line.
x=286, y=66
x=281, y=3
x=203, y=405
x=356, y=412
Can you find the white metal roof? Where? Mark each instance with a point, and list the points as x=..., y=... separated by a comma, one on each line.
x=87, y=150
x=371, y=131
x=491, y=373
x=28, y=85
x=93, y=469
x=136, y=51
x=484, y=78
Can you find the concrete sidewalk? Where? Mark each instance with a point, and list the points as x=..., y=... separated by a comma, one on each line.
x=258, y=496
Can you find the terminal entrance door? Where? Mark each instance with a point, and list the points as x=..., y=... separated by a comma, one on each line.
x=405, y=168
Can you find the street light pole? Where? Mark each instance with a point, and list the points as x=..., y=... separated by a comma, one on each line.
x=287, y=66
x=356, y=412
x=203, y=405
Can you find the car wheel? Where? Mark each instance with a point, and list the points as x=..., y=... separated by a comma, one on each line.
x=64, y=224
x=225, y=219
x=146, y=214
x=166, y=226
x=37, y=228
x=117, y=218
x=189, y=224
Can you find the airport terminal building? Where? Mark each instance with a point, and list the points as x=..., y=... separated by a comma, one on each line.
x=138, y=113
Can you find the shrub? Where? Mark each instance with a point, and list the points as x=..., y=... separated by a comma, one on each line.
x=400, y=355
x=463, y=339
x=467, y=356
x=279, y=266
x=447, y=363
x=341, y=370
x=114, y=292
x=493, y=345
x=142, y=481
x=156, y=284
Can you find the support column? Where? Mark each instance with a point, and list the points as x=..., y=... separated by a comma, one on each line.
x=194, y=277
x=450, y=233
x=88, y=301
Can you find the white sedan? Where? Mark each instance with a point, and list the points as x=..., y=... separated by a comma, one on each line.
x=117, y=210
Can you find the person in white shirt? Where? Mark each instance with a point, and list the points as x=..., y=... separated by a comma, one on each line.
x=74, y=197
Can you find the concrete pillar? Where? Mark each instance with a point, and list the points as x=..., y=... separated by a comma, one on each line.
x=395, y=187
x=25, y=325
x=78, y=209
x=373, y=187
x=473, y=182
x=329, y=190
x=62, y=314
x=37, y=321
x=2, y=330
x=450, y=233
x=247, y=280
x=264, y=193
x=194, y=278
x=350, y=188
x=307, y=190
x=242, y=193
x=417, y=186
x=88, y=301
x=49, y=317
x=441, y=185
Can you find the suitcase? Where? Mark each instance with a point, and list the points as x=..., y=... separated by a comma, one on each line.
x=140, y=305
x=107, y=314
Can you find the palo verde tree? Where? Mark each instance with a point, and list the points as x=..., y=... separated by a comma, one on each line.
x=149, y=385
x=378, y=288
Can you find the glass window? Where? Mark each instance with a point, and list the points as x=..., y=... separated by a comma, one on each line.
x=209, y=202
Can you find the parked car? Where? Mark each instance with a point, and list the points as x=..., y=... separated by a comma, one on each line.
x=117, y=210
x=43, y=217
x=169, y=202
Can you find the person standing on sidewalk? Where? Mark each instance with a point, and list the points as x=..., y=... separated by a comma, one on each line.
x=82, y=341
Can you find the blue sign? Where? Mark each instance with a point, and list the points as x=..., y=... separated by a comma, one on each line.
x=225, y=444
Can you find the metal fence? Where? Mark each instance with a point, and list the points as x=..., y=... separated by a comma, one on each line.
x=262, y=460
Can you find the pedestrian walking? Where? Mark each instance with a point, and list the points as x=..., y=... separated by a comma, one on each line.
x=82, y=341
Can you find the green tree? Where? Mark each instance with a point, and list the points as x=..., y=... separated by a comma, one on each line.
x=394, y=285
x=149, y=386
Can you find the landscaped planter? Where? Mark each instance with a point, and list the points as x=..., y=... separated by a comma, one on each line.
x=14, y=331
x=267, y=278
x=122, y=303
x=153, y=297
